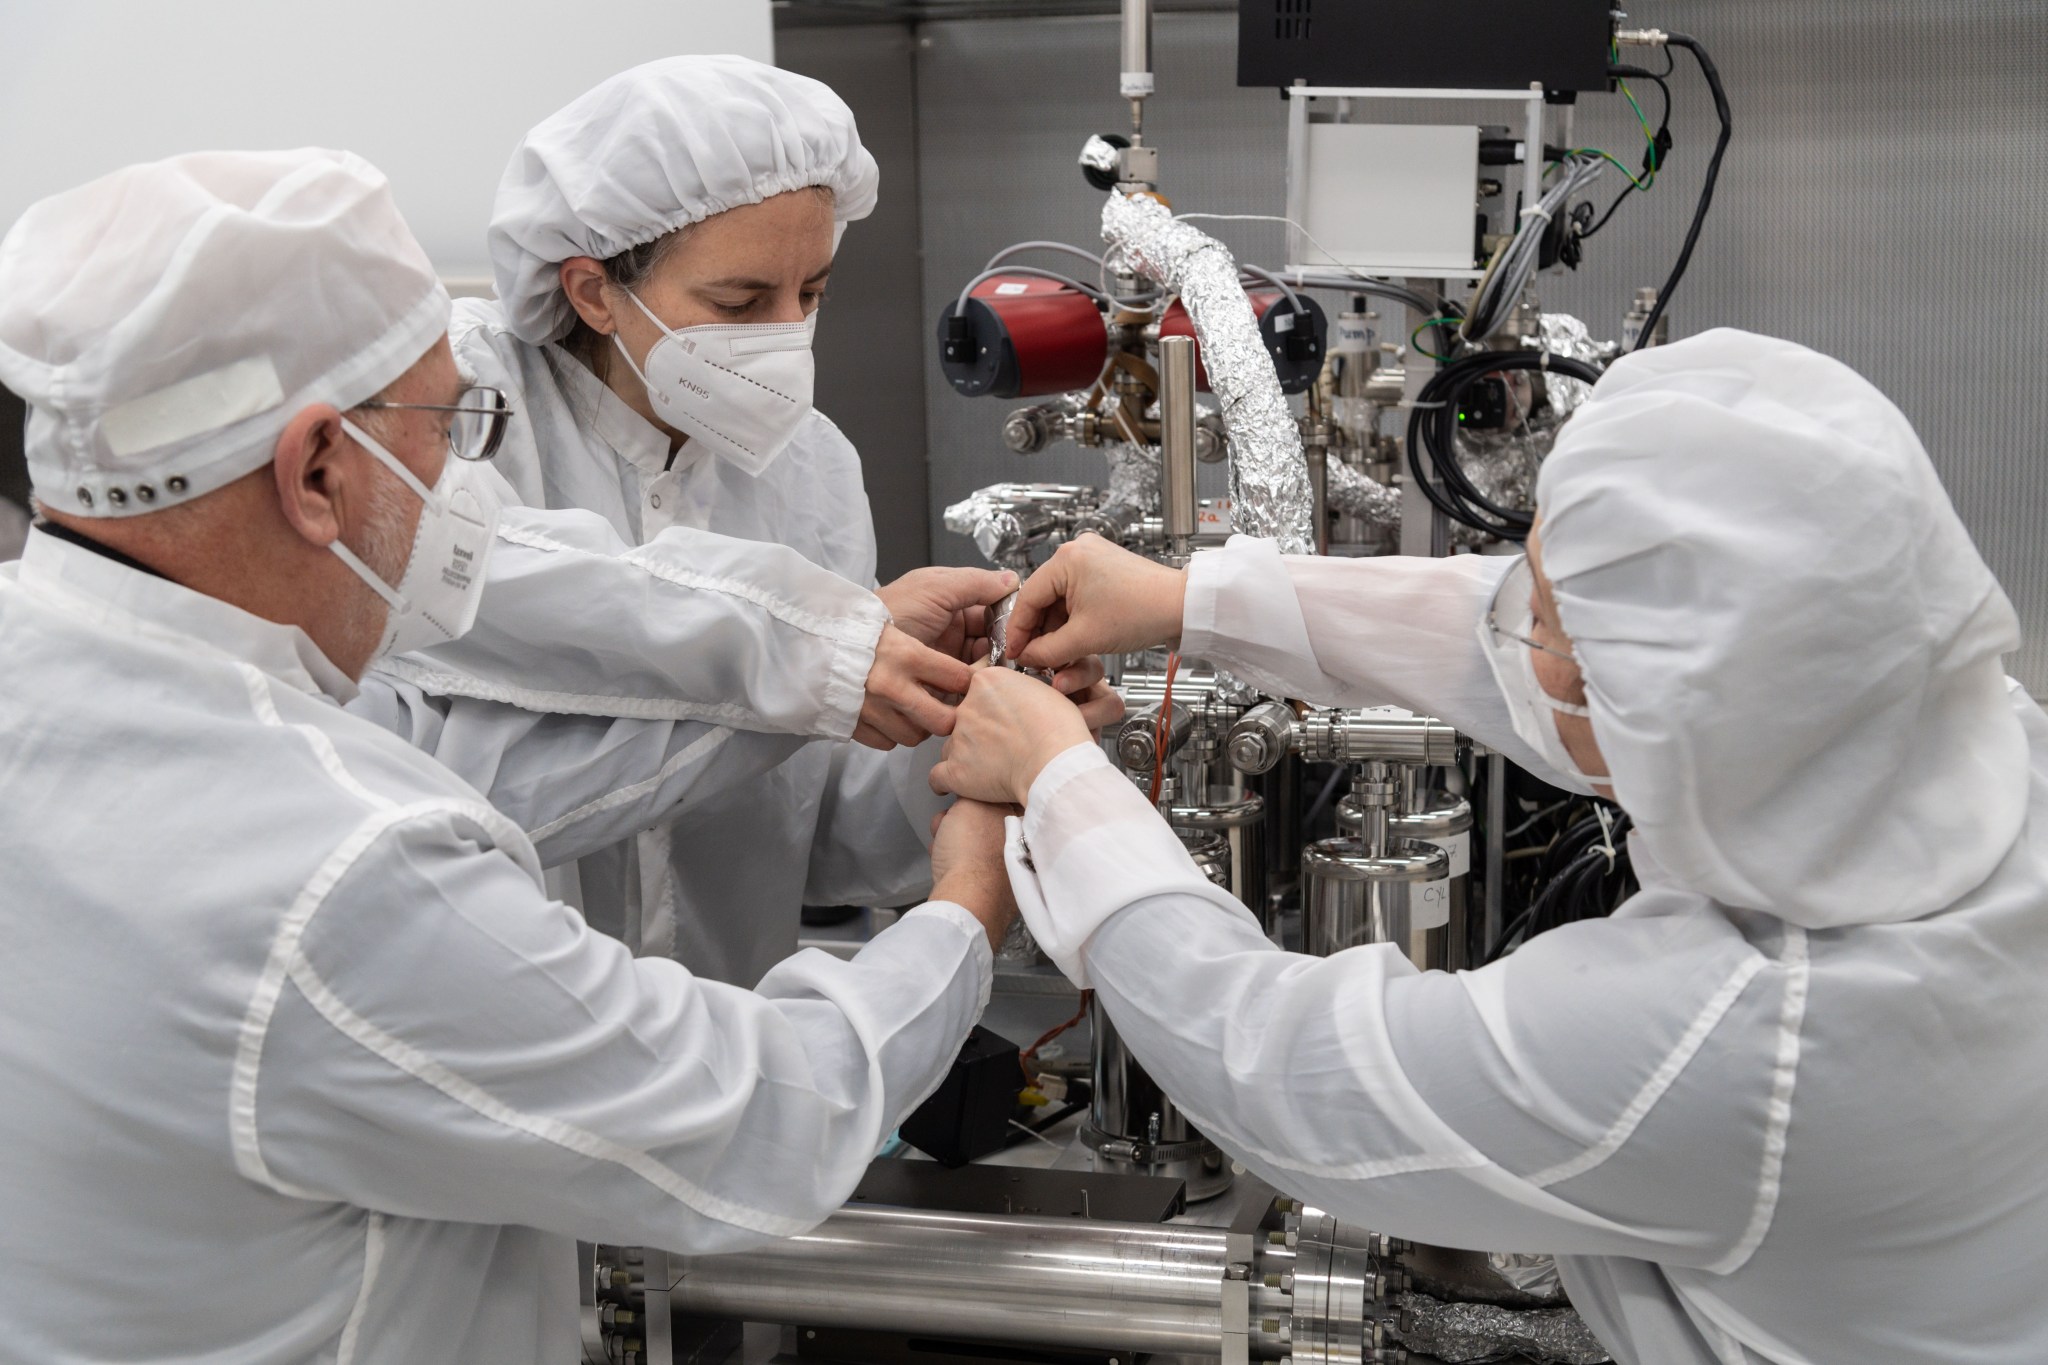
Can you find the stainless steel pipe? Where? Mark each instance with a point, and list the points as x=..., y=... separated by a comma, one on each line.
x=1135, y=75
x=1177, y=441
x=1042, y=1281
x=1136, y=1287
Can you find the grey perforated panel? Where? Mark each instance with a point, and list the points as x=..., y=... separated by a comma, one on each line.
x=1886, y=201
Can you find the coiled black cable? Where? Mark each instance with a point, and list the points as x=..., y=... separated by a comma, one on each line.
x=1433, y=436
x=1585, y=875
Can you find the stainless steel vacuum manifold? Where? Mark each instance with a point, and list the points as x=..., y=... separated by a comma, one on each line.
x=1060, y=1282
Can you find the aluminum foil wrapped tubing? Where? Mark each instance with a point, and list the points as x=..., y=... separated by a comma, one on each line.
x=1565, y=335
x=1269, y=488
x=1133, y=482
x=1473, y=1333
x=1355, y=495
x=993, y=526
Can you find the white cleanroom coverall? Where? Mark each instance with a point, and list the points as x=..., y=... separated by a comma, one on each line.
x=713, y=661
x=301, y=1065
x=643, y=154
x=718, y=887
x=1786, y=1104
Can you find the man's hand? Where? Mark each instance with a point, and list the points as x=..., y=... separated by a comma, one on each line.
x=1005, y=732
x=967, y=866
x=1082, y=684
x=947, y=608
x=1093, y=598
x=905, y=686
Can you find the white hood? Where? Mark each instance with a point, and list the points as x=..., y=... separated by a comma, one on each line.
x=1790, y=644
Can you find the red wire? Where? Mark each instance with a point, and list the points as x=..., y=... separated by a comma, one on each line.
x=1163, y=728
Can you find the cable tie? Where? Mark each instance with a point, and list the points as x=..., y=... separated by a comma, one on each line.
x=1606, y=836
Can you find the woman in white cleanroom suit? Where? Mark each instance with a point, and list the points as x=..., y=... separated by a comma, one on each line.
x=660, y=247
x=1786, y=1104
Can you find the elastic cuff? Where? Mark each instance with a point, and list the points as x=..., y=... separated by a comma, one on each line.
x=846, y=680
x=978, y=951
x=1067, y=765
x=1205, y=575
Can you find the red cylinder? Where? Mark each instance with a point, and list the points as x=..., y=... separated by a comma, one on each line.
x=1029, y=336
x=1176, y=323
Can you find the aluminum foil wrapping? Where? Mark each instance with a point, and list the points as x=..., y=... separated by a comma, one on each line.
x=1472, y=1333
x=1355, y=495
x=992, y=525
x=1269, y=488
x=1098, y=154
x=1530, y=1272
x=1133, y=482
x=1502, y=466
x=1019, y=945
x=1565, y=335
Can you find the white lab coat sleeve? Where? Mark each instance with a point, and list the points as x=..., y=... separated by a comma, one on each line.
x=873, y=840
x=690, y=626
x=575, y=784
x=1391, y=630
x=1609, y=1089
x=435, y=1039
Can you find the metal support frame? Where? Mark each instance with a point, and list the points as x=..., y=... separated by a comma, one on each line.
x=1299, y=96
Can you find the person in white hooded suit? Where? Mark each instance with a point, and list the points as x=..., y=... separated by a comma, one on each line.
x=1784, y=1105
x=660, y=248
x=284, y=1006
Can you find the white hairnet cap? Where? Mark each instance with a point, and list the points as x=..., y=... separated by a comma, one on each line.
x=165, y=322
x=1791, y=646
x=657, y=148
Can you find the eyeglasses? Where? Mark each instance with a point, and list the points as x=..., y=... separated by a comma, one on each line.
x=1515, y=622
x=479, y=425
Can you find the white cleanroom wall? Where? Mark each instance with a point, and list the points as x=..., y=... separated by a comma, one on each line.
x=435, y=93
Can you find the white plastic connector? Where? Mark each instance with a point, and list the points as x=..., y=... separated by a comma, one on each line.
x=1641, y=37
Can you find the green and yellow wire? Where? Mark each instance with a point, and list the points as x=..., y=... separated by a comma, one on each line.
x=1415, y=337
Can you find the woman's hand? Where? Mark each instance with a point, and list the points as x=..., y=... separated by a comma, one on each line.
x=1093, y=598
x=1082, y=683
x=1006, y=730
x=967, y=866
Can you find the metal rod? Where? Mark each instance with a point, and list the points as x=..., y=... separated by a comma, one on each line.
x=1177, y=442
x=1136, y=81
x=1042, y=1281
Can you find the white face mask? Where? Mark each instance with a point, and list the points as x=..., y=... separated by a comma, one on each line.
x=436, y=598
x=1505, y=635
x=742, y=389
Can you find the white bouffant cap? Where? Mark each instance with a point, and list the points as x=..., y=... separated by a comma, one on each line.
x=165, y=322
x=657, y=148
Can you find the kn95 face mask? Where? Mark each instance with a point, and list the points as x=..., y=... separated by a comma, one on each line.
x=1507, y=637
x=742, y=389
x=436, y=598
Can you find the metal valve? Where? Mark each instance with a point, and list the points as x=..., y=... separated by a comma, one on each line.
x=1137, y=740
x=1269, y=731
x=1261, y=738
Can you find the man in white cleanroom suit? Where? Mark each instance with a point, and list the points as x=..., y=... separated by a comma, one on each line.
x=1786, y=1105
x=298, y=1061
x=691, y=206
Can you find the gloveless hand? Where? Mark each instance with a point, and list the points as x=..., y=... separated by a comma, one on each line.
x=968, y=869
x=947, y=608
x=906, y=688
x=1092, y=597
x=1008, y=727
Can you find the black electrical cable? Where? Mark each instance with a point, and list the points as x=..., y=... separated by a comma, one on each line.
x=1585, y=875
x=1432, y=435
x=1659, y=152
x=1699, y=213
